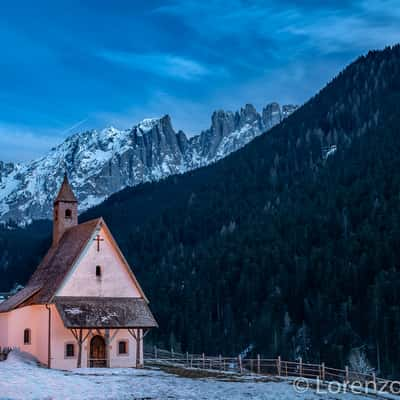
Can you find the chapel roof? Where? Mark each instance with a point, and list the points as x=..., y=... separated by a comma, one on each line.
x=104, y=312
x=54, y=267
x=60, y=258
x=19, y=298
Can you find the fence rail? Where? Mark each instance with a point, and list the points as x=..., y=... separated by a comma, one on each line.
x=271, y=367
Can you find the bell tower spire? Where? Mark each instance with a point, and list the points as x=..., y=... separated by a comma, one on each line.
x=65, y=211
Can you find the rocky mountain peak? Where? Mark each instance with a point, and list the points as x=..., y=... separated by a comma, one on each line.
x=222, y=122
x=271, y=115
x=248, y=114
x=102, y=162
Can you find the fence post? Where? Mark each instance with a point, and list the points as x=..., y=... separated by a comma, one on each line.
x=301, y=366
x=155, y=351
x=258, y=364
x=251, y=365
x=323, y=372
x=172, y=353
x=220, y=362
x=204, y=361
x=240, y=364
x=279, y=365
x=187, y=358
x=191, y=361
x=347, y=373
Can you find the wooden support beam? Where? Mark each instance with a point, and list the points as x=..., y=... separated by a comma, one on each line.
x=132, y=332
x=113, y=335
x=107, y=340
x=75, y=334
x=138, y=348
x=136, y=335
x=80, y=341
x=145, y=332
x=86, y=336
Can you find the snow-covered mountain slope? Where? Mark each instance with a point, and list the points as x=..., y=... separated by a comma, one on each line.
x=100, y=163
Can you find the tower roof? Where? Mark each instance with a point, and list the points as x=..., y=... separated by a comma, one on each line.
x=66, y=194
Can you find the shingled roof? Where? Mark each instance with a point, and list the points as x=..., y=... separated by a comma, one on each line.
x=66, y=194
x=19, y=298
x=54, y=267
x=104, y=312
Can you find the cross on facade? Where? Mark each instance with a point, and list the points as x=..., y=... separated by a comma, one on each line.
x=98, y=239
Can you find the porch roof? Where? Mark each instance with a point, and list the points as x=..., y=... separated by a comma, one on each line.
x=104, y=312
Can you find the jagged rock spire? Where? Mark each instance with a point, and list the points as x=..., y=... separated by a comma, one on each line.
x=66, y=194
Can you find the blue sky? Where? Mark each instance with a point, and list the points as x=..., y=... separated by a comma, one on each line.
x=70, y=66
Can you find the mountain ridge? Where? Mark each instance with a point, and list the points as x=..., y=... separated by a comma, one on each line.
x=103, y=162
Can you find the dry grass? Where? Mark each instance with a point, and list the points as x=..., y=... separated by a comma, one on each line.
x=194, y=373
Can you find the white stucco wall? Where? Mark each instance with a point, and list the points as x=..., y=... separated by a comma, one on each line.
x=122, y=361
x=34, y=318
x=61, y=336
x=115, y=279
x=3, y=329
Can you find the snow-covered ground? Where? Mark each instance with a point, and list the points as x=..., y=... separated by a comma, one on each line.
x=21, y=378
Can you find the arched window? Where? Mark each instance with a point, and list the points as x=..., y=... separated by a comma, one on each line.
x=98, y=271
x=68, y=213
x=27, y=336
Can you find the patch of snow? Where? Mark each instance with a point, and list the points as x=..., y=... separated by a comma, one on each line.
x=73, y=311
x=106, y=318
x=147, y=124
x=328, y=151
x=22, y=379
x=90, y=201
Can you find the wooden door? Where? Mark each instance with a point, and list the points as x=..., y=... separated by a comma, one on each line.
x=98, y=352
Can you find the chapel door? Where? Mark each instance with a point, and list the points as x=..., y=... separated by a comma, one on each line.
x=98, y=352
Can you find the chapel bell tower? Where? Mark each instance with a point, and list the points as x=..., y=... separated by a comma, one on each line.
x=65, y=211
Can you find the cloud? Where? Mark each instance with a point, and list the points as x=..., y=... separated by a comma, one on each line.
x=294, y=28
x=75, y=126
x=164, y=65
x=185, y=58
x=187, y=114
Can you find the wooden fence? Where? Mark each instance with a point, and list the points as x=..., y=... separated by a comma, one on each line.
x=272, y=367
